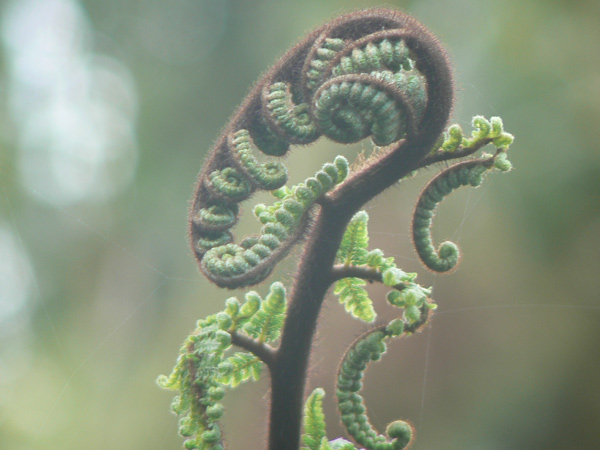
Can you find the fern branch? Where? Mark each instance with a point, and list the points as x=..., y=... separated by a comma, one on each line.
x=340, y=271
x=265, y=352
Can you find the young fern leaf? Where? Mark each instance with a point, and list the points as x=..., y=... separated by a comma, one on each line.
x=314, y=436
x=266, y=324
x=203, y=369
x=353, y=248
x=353, y=251
x=240, y=367
x=485, y=131
x=355, y=298
x=314, y=420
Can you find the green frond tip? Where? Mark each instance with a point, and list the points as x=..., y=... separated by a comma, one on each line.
x=355, y=298
x=376, y=260
x=401, y=432
x=502, y=163
x=265, y=325
x=452, y=138
x=353, y=248
x=485, y=131
x=314, y=421
x=411, y=299
x=492, y=129
x=240, y=367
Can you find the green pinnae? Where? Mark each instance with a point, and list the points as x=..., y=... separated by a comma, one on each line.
x=267, y=176
x=213, y=239
x=270, y=240
x=293, y=119
x=219, y=216
x=384, y=55
x=229, y=183
x=328, y=50
x=275, y=229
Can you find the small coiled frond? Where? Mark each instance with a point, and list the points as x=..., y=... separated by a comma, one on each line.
x=370, y=347
x=266, y=176
x=466, y=173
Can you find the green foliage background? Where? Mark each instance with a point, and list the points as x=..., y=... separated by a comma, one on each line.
x=511, y=359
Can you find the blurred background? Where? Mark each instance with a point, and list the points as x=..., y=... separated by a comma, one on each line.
x=107, y=109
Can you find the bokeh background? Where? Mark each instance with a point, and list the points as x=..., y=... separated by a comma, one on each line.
x=107, y=109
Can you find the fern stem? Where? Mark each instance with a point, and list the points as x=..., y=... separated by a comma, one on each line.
x=461, y=152
x=265, y=352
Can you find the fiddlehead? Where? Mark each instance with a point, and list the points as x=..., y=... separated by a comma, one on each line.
x=367, y=348
x=467, y=173
x=368, y=74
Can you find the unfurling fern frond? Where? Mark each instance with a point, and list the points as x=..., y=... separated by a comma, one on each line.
x=346, y=82
x=370, y=347
x=374, y=73
x=467, y=173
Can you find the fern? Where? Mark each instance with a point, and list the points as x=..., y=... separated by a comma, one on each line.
x=355, y=298
x=375, y=74
x=314, y=420
x=240, y=367
x=266, y=323
x=353, y=248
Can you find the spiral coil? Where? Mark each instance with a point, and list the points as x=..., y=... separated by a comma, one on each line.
x=466, y=173
x=346, y=81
